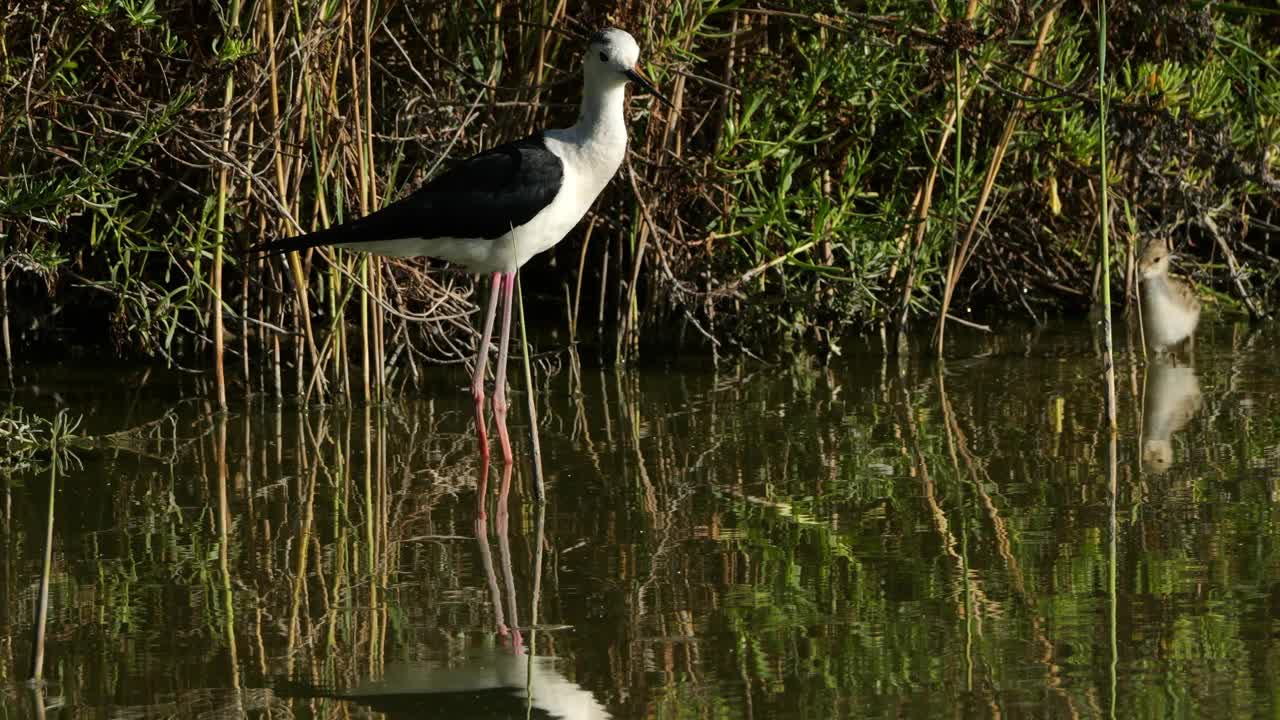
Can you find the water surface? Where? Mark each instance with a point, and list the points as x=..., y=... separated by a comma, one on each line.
x=883, y=536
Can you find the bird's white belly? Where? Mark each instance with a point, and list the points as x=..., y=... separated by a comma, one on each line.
x=1165, y=321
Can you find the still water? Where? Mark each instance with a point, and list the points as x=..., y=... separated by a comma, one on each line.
x=882, y=536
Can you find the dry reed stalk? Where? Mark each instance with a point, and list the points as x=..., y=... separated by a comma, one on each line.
x=628, y=342
x=364, y=329
x=293, y=260
x=372, y=204
x=630, y=314
x=298, y=360
x=277, y=359
x=379, y=339
x=324, y=170
x=961, y=255
x=902, y=239
x=337, y=333
x=244, y=276
x=921, y=216
x=604, y=289
x=539, y=65
x=224, y=172
x=372, y=353
x=258, y=305
x=577, y=292
x=1131, y=259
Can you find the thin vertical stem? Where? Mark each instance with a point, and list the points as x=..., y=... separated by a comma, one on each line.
x=293, y=259
x=375, y=269
x=960, y=256
x=223, y=176
x=955, y=197
x=364, y=326
x=924, y=198
x=577, y=293
x=1105, y=210
x=539, y=492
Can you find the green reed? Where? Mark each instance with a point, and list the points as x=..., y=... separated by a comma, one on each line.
x=1104, y=217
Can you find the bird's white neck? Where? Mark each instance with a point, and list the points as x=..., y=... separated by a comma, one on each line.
x=601, y=119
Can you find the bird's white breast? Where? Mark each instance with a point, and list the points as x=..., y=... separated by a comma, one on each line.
x=1166, y=321
x=589, y=165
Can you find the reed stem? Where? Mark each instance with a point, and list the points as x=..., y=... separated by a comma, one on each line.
x=539, y=491
x=1104, y=205
x=955, y=198
x=219, y=370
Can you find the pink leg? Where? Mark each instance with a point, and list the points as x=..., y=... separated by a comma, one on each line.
x=482, y=361
x=500, y=380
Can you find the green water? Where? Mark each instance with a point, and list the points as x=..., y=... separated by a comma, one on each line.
x=885, y=536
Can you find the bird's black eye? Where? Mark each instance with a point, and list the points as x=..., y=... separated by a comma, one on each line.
x=603, y=57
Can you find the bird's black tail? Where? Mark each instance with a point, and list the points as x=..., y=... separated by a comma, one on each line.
x=331, y=236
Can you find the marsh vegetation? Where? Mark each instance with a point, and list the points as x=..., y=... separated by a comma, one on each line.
x=826, y=168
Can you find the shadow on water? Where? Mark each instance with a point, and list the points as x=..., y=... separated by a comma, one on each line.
x=887, y=536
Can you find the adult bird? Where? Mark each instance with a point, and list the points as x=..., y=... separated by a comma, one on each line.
x=495, y=210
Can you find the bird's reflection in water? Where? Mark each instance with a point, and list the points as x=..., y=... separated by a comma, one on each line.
x=502, y=681
x=1172, y=398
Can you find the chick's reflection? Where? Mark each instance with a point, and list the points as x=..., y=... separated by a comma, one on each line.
x=1171, y=399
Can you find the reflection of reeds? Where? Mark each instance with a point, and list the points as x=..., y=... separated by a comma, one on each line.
x=799, y=533
x=227, y=596
x=1113, y=529
x=46, y=568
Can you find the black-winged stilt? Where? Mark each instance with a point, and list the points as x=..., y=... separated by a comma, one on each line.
x=495, y=210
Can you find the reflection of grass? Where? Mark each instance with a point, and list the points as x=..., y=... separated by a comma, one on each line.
x=808, y=550
x=29, y=442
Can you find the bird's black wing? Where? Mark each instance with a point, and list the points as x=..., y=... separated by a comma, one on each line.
x=483, y=196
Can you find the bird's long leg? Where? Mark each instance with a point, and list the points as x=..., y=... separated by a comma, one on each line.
x=500, y=379
x=482, y=361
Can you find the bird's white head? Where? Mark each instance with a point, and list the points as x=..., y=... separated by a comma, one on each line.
x=612, y=59
x=612, y=51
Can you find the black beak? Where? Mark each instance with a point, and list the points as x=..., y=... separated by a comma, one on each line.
x=638, y=78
